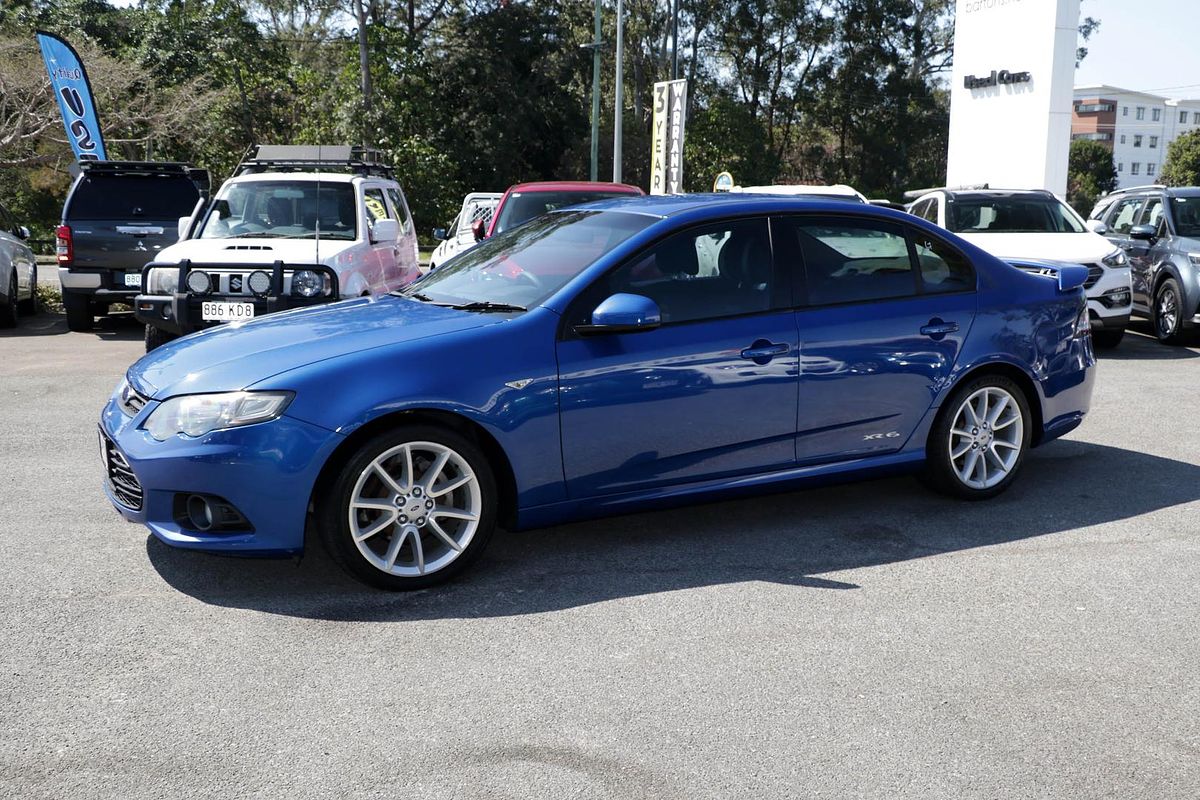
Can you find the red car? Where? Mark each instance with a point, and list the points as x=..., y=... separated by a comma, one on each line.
x=524, y=201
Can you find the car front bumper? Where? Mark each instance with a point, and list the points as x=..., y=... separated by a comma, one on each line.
x=1110, y=299
x=180, y=313
x=265, y=471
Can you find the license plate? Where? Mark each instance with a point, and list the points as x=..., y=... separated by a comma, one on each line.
x=133, y=279
x=226, y=312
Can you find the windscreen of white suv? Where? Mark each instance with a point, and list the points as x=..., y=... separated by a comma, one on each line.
x=283, y=210
x=1012, y=215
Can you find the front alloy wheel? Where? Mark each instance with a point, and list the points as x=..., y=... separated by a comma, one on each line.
x=411, y=508
x=975, y=448
x=1168, y=313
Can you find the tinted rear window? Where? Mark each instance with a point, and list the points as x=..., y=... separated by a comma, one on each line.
x=120, y=197
x=523, y=206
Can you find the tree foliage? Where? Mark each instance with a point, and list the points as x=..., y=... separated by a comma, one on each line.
x=1090, y=173
x=1182, y=167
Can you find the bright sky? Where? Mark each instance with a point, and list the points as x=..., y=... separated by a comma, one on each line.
x=1147, y=45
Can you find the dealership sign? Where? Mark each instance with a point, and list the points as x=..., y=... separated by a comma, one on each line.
x=69, y=81
x=666, y=154
x=1001, y=78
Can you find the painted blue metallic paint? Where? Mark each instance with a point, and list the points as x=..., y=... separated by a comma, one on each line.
x=636, y=421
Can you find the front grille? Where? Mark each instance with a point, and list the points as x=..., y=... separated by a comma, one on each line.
x=121, y=480
x=1095, y=273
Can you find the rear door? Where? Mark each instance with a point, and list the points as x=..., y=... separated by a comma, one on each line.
x=884, y=310
x=709, y=394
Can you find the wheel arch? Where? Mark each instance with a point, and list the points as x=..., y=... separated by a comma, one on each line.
x=1017, y=375
x=497, y=458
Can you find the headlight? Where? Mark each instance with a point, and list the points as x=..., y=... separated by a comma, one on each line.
x=1194, y=258
x=1116, y=259
x=197, y=414
x=307, y=283
x=163, y=280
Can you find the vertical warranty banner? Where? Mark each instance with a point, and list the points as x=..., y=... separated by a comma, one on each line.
x=666, y=150
x=71, y=88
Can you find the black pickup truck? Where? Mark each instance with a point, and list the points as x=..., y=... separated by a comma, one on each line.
x=117, y=216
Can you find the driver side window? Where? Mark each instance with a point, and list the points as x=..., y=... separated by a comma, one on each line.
x=1124, y=214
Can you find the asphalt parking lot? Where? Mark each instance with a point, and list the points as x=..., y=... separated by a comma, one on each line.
x=871, y=640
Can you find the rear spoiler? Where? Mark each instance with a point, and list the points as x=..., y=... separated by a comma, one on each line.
x=1069, y=276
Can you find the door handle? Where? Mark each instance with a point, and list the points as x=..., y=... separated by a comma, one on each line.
x=763, y=351
x=936, y=329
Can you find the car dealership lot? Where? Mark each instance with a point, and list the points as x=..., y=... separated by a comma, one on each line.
x=869, y=640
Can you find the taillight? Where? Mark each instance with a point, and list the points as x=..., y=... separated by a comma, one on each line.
x=64, y=247
x=1083, y=323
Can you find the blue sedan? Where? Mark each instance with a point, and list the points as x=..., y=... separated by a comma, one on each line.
x=605, y=359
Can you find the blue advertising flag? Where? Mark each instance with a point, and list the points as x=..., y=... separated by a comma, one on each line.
x=69, y=81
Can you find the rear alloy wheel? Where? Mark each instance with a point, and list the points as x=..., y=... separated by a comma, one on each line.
x=1107, y=338
x=1168, y=313
x=977, y=446
x=410, y=509
x=79, y=312
x=8, y=311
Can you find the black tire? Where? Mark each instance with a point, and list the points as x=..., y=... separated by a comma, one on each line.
x=940, y=473
x=157, y=337
x=333, y=510
x=79, y=312
x=1107, y=338
x=1168, y=330
x=30, y=307
x=8, y=311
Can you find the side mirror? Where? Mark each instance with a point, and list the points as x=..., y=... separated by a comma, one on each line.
x=182, y=227
x=1071, y=277
x=440, y=234
x=1143, y=232
x=385, y=230
x=479, y=230
x=23, y=232
x=1096, y=226
x=623, y=313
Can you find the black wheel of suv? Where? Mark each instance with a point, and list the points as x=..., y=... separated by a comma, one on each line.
x=410, y=509
x=8, y=311
x=79, y=312
x=1168, y=312
x=979, y=441
x=30, y=307
x=157, y=337
x=1108, y=338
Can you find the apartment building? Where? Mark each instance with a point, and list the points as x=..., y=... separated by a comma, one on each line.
x=1135, y=126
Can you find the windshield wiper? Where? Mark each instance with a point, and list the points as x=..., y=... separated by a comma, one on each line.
x=487, y=305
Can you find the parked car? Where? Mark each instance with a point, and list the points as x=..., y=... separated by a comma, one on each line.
x=838, y=190
x=524, y=201
x=1035, y=224
x=18, y=271
x=459, y=235
x=1159, y=230
x=295, y=226
x=118, y=215
x=602, y=360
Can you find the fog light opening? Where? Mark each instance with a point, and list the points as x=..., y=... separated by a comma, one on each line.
x=200, y=513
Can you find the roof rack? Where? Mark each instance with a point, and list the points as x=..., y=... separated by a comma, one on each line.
x=197, y=175
x=913, y=194
x=306, y=158
x=1138, y=188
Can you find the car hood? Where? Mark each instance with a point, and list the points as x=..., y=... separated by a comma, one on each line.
x=1078, y=248
x=254, y=251
x=237, y=355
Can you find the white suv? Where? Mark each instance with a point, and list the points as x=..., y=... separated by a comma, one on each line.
x=459, y=235
x=1034, y=224
x=295, y=226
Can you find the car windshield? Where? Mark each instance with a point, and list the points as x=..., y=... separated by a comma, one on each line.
x=1012, y=215
x=1186, y=211
x=283, y=210
x=524, y=266
x=523, y=206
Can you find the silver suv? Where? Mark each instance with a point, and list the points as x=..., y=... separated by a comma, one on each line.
x=1159, y=230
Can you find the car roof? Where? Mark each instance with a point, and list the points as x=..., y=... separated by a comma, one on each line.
x=671, y=205
x=830, y=190
x=976, y=194
x=573, y=186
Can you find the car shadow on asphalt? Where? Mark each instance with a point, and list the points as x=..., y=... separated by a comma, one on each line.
x=1140, y=344
x=796, y=538
x=118, y=326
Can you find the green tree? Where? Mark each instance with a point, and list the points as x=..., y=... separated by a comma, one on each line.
x=1182, y=167
x=1090, y=173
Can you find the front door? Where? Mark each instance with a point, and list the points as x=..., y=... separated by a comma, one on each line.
x=884, y=312
x=1122, y=218
x=711, y=393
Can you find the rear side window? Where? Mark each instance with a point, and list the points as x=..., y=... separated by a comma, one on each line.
x=943, y=269
x=131, y=197
x=849, y=261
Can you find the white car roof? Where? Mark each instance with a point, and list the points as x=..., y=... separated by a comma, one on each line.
x=324, y=177
x=835, y=190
